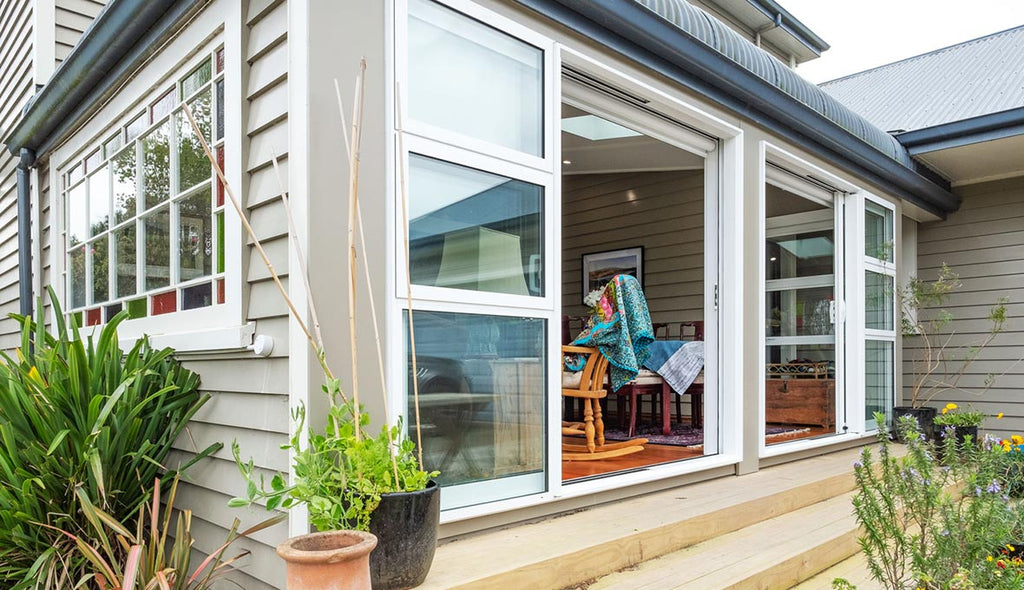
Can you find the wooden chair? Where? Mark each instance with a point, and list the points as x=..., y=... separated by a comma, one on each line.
x=590, y=390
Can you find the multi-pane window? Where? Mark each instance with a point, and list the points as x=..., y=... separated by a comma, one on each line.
x=144, y=211
x=879, y=310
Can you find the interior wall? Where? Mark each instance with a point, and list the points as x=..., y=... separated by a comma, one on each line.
x=661, y=211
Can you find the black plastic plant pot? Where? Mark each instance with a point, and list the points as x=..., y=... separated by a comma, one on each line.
x=924, y=415
x=405, y=524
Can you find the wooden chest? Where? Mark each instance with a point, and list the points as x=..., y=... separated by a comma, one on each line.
x=808, y=402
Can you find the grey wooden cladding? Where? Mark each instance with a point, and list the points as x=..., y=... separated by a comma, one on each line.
x=983, y=242
x=661, y=211
x=16, y=87
x=72, y=18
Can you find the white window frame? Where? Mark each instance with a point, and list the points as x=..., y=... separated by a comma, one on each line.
x=219, y=327
x=726, y=168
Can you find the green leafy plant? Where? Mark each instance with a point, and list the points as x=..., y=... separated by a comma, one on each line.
x=80, y=413
x=339, y=477
x=953, y=415
x=938, y=365
x=932, y=525
x=149, y=557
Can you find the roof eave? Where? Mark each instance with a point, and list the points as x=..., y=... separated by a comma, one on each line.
x=121, y=37
x=647, y=38
x=964, y=132
x=791, y=25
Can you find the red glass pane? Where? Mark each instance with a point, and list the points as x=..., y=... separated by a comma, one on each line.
x=220, y=60
x=220, y=185
x=220, y=291
x=165, y=303
x=94, y=317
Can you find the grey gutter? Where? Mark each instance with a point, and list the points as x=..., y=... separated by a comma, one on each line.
x=125, y=33
x=647, y=38
x=791, y=25
x=964, y=132
x=25, y=162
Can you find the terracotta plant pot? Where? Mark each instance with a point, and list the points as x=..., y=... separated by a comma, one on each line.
x=406, y=524
x=332, y=560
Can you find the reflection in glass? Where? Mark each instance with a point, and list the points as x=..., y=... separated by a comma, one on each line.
x=799, y=312
x=800, y=255
x=474, y=230
x=100, y=252
x=158, y=249
x=76, y=277
x=78, y=221
x=195, y=79
x=482, y=394
x=800, y=390
x=220, y=109
x=136, y=127
x=125, y=260
x=99, y=202
x=466, y=77
x=197, y=296
x=163, y=106
x=156, y=166
x=879, y=303
x=878, y=231
x=123, y=174
x=195, y=236
x=879, y=379
x=193, y=166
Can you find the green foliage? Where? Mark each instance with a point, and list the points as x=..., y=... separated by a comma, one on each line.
x=937, y=365
x=80, y=415
x=951, y=415
x=932, y=525
x=340, y=477
x=150, y=557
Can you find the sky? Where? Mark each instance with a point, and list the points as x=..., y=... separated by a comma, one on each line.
x=864, y=34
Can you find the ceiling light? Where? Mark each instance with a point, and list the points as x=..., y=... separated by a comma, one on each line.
x=567, y=162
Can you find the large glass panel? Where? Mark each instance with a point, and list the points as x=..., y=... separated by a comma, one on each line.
x=125, y=260
x=123, y=174
x=156, y=165
x=800, y=391
x=76, y=276
x=474, y=230
x=78, y=220
x=195, y=236
x=470, y=78
x=800, y=255
x=100, y=252
x=193, y=165
x=878, y=231
x=158, y=248
x=99, y=202
x=879, y=379
x=481, y=394
x=799, y=312
x=878, y=301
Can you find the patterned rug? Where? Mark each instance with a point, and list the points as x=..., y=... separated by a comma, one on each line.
x=684, y=436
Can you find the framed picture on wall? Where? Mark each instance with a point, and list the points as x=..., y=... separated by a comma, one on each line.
x=600, y=267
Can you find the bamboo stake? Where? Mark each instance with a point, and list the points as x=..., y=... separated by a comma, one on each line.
x=353, y=197
x=373, y=306
x=408, y=272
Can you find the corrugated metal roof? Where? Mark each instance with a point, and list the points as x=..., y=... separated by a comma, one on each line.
x=971, y=79
x=705, y=28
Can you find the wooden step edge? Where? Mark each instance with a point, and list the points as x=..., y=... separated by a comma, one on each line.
x=568, y=568
x=787, y=543
x=796, y=569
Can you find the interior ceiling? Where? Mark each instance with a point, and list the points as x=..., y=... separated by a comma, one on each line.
x=625, y=154
x=978, y=161
x=779, y=201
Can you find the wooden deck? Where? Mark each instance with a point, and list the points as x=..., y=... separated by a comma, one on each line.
x=772, y=529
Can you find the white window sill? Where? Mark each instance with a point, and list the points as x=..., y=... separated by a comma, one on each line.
x=212, y=340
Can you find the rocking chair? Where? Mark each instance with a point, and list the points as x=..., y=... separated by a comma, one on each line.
x=590, y=390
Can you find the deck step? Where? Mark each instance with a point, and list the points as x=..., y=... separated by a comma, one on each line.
x=574, y=550
x=853, y=569
x=774, y=554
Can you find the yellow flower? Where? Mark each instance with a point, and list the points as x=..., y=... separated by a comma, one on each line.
x=1018, y=439
x=989, y=558
x=999, y=416
x=1010, y=547
x=944, y=410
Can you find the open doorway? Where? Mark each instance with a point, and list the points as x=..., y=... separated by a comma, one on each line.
x=633, y=202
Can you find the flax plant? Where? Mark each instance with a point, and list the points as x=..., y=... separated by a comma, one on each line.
x=81, y=414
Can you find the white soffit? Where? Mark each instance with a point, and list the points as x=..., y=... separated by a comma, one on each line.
x=977, y=162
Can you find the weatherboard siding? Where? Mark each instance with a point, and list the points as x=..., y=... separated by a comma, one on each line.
x=16, y=87
x=71, y=19
x=666, y=217
x=983, y=242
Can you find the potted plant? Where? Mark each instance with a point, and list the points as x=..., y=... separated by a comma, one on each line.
x=964, y=423
x=346, y=477
x=938, y=365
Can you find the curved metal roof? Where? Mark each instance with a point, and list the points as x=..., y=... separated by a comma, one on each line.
x=696, y=23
